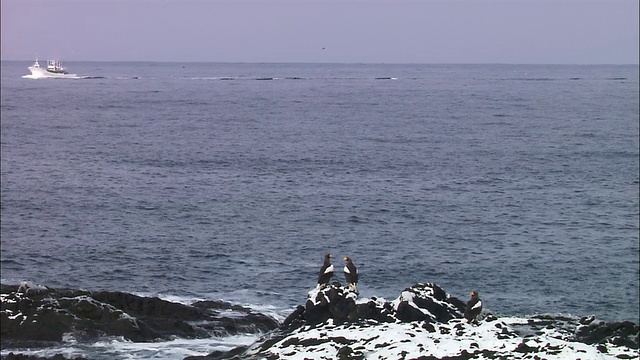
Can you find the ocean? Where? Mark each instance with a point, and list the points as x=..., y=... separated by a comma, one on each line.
x=194, y=181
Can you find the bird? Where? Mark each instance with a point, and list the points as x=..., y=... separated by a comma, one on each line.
x=351, y=274
x=474, y=307
x=326, y=271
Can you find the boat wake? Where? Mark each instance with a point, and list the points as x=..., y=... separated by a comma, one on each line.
x=72, y=76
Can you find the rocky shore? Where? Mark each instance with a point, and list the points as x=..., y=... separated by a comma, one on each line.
x=423, y=322
x=426, y=323
x=37, y=316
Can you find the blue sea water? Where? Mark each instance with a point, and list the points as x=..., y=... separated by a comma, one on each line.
x=231, y=181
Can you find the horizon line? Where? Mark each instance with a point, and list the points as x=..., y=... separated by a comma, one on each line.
x=334, y=63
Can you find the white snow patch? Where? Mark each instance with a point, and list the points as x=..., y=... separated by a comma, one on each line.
x=411, y=340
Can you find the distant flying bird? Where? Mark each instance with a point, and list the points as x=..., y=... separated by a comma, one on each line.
x=351, y=274
x=474, y=307
x=326, y=271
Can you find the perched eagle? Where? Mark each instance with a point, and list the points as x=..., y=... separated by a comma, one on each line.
x=474, y=307
x=326, y=271
x=351, y=274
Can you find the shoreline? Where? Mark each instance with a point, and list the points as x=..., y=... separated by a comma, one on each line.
x=423, y=321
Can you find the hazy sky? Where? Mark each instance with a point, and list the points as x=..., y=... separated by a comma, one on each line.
x=345, y=31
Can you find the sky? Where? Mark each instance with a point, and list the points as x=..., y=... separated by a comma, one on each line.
x=323, y=31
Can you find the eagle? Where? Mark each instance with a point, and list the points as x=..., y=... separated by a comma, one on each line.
x=351, y=274
x=326, y=271
x=474, y=307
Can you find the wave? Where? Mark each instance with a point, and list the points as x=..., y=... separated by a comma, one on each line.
x=530, y=79
x=267, y=78
x=76, y=77
x=119, y=348
x=560, y=79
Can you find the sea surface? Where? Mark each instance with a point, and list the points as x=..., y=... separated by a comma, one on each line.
x=232, y=181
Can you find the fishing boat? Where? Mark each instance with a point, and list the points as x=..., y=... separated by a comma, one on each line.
x=54, y=69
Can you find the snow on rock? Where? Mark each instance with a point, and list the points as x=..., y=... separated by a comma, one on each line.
x=427, y=302
x=426, y=323
x=491, y=339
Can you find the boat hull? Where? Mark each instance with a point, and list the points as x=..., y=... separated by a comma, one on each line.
x=41, y=73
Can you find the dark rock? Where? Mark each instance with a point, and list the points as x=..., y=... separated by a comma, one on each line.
x=147, y=307
x=343, y=310
x=40, y=318
x=490, y=318
x=429, y=327
x=407, y=313
x=601, y=348
x=428, y=302
x=551, y=350
x=505, y=333
x=372, y=311
x=345, y=352
x=313, y=342
x=619, y=333
x=587, y=320
x=626, y=356
x=421, y=302
x=12, y=356
x=295, y=319
x=331, y=302
x=464, y=355
x=524, y=348
x=232, y=354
